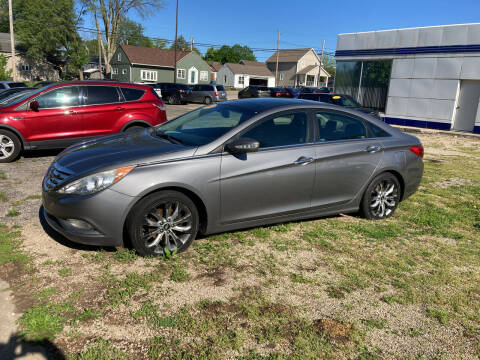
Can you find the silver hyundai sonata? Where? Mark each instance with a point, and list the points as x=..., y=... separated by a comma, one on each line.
x=228, y=166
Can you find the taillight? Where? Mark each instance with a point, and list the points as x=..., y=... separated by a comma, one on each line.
x=160, y=105
x=278, y=94
x=417, y=150
x=180, y=90
x=216, y=93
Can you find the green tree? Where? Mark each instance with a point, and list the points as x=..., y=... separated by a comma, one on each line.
x=131, y=33
x=329, y=64
x=227, y=54
x=4, y=73
x=183, y=44
x=77, y=57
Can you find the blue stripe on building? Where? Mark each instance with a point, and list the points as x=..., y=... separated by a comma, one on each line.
x=422, y=124
x=411, y=50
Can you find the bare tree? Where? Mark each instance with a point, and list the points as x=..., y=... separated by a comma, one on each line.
x=110, y=13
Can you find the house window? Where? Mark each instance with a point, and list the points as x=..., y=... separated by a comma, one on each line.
x=281, y=76
x=124, y=71
x=203, y=75
x=225, y=79
x=148, y=75
x=241, y=80
x=119, y=57
x=181, y=73
x=25, y=67
x=114, y=71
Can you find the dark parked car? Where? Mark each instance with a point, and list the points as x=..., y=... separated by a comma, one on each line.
x=41, y=84
x=174, y=93
x=228, y=166
x=59, y=115
x=254, y=91
x=310, y=90
x=340, y=100
x=207, y=94
x=5, y=85
x=279, y=92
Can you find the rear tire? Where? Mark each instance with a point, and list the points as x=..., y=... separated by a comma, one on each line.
x=207, y=100
x=163, y=220
x=134, y=128
x=381, y=197
x=10, y=146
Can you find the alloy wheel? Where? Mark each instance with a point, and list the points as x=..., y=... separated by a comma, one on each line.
x=7, y=146
x=383, y=198
x=168, y=225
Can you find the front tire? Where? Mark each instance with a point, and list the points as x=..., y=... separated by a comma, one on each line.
x=10, y=146
x=381, y=197
x=166, y=220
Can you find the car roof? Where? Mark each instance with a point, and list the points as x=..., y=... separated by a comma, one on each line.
x=264, y=104
x=100, y=82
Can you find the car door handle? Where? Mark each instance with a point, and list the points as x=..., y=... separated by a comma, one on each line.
x=303, y=160
x=119, y=108
x=71, y=112
x=373, y=148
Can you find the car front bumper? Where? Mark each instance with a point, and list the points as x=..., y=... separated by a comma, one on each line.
x=105, y=212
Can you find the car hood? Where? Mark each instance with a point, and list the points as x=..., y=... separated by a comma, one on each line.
x=112, y=151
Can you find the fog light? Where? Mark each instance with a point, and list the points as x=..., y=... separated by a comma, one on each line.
x=79, y=224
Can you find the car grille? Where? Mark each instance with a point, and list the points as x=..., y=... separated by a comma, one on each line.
x=56, y=176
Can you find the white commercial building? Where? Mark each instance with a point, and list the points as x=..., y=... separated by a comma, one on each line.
x=426, y=77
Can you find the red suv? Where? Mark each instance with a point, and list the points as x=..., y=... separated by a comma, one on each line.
x=58, y=115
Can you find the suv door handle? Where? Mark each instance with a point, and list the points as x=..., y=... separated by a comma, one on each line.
x=373, y=148
x=303, y=160
x=72, y=112
x=119, y=108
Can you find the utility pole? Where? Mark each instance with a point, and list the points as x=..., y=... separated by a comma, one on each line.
x=175, y=48
x=191, y=43
x=12, y=40
x=278, y=54
x=321, y=61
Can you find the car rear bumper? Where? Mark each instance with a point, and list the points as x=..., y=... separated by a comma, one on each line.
x=105, y=212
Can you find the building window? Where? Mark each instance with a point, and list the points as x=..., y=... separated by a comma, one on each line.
x=124, y=71
x=119, y=57
x=25, y=67
x=181, y=73
x=241, y=80
x=203, y=75
x=225, y=79
x=281, y=76
x=148, y=75
x=114, y=71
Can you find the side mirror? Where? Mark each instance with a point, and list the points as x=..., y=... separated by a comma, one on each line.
x=34, y=105
x=242, y=145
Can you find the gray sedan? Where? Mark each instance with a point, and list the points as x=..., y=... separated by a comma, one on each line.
x=228, y=166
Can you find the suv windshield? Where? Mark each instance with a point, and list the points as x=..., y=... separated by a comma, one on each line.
x=204, y=125
x=18, y=100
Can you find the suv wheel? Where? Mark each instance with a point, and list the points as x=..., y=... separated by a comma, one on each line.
x=171, y=100
x=167, y=220
x=10, y=146
x=207, y=100
x=381, y=197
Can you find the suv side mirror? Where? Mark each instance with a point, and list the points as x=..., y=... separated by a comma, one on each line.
x=242, y=145
x=34, y=105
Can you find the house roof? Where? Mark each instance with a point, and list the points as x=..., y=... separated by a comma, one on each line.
x=307, y=69
x=249, y=69
x=251, y=63
x=214, y=66
x=152, y=56
x=288, y=55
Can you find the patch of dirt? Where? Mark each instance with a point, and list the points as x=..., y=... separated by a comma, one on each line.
x=337, y=332
x=455, y=181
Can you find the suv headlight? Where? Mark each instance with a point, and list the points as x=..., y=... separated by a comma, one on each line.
x=96, y=182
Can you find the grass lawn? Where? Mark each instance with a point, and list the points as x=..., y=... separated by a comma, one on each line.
x=332, y=288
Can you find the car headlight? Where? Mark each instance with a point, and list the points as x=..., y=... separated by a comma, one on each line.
x=96, y=182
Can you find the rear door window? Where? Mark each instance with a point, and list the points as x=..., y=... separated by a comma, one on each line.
x=337, y=126
x=59, y=97
x=97, y=95
x=376, y=131
x=132, y=94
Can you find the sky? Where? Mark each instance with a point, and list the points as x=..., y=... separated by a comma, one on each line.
x=302, y=23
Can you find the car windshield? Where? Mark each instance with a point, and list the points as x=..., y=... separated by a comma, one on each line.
x=203, y=125
x=18, y=99
x=345, y=100
x=12, y=97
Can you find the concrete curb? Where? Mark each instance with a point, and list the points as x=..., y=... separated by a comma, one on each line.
x=415, y=130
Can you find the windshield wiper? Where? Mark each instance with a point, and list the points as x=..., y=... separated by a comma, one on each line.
x=170, y=138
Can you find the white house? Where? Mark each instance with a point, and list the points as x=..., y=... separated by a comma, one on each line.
x=425, y=77
x=240, y=75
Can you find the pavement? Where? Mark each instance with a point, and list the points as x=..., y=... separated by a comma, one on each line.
x=11, y=347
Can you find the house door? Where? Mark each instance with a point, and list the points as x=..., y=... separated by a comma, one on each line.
x=192, y=75
x=467, y=105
